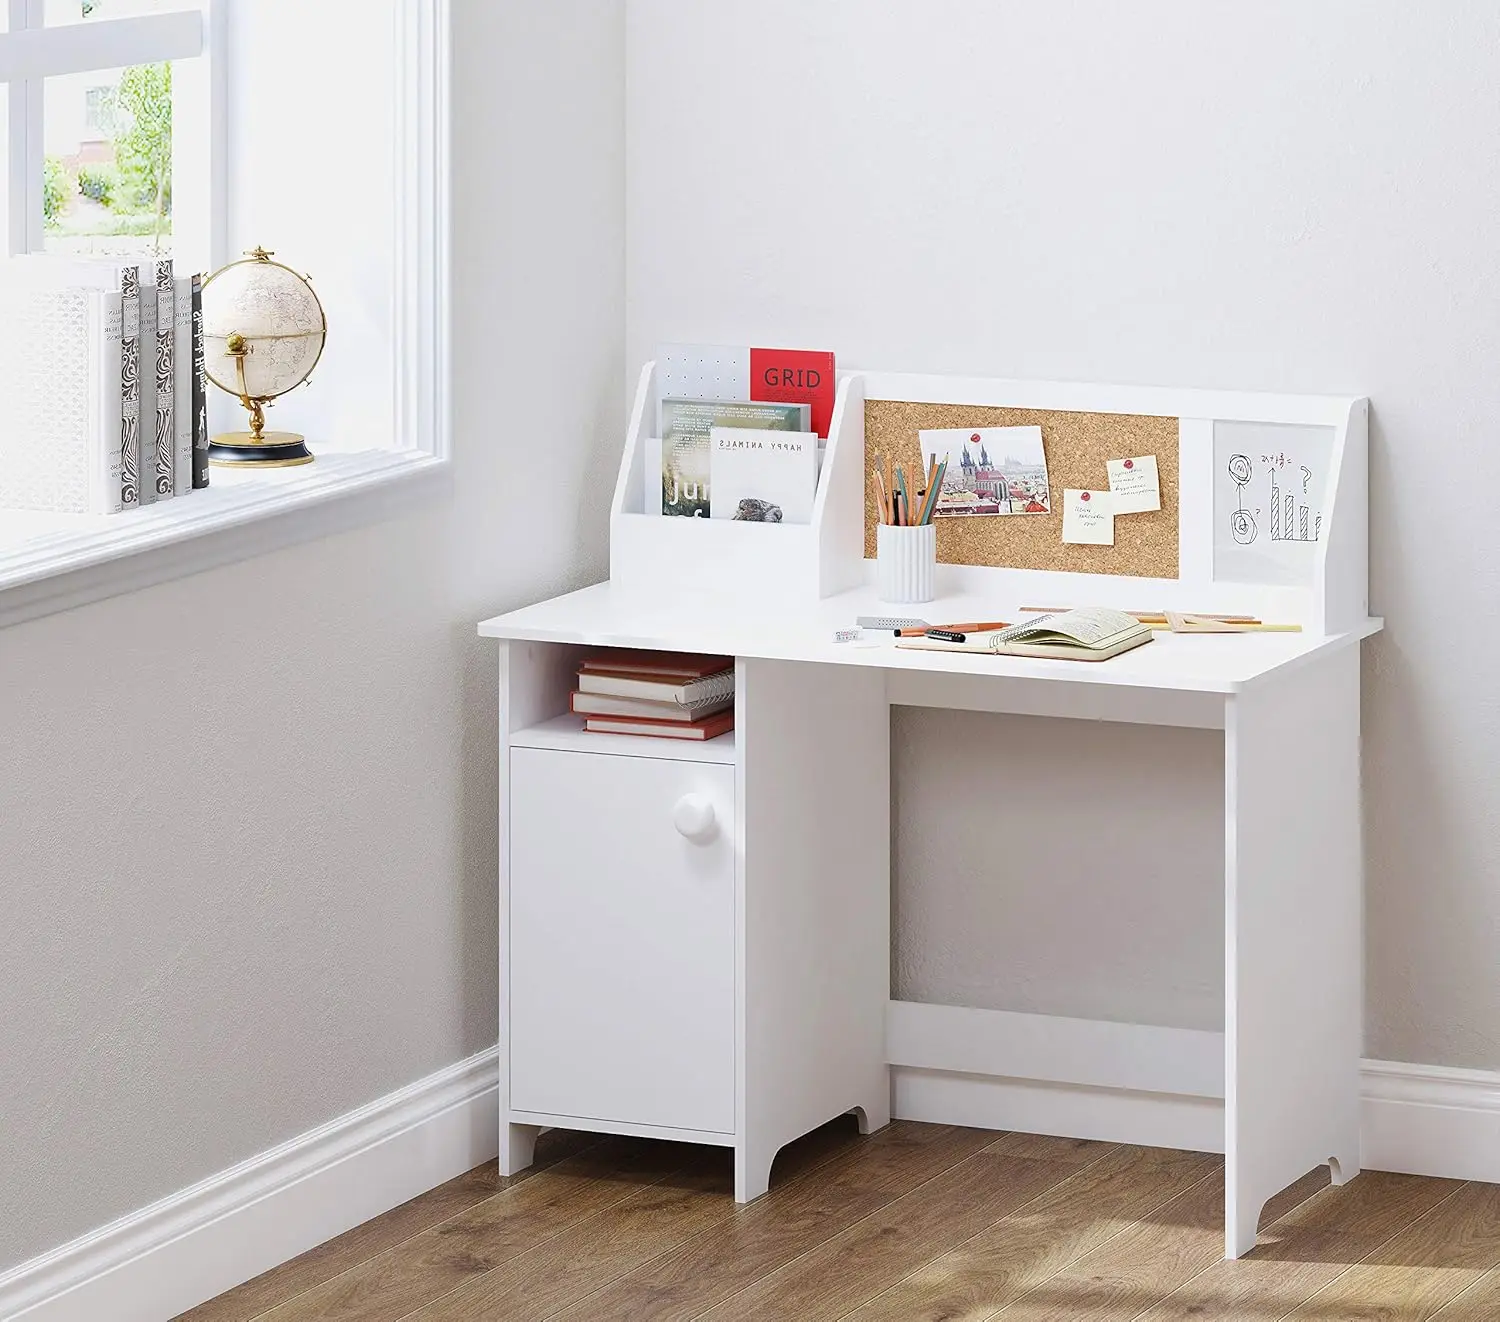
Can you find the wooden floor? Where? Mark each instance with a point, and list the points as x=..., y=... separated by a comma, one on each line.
x=915, y=1222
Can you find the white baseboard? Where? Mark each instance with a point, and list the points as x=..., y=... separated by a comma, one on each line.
x=1115, y=1115
x=1430, y=1120
x=1417, y=1119
x=195, y=1244
x=203, y=1240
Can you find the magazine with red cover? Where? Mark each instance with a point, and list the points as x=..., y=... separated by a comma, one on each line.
x=765, y=376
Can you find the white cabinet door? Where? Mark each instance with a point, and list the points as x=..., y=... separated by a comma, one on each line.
x=620, y=966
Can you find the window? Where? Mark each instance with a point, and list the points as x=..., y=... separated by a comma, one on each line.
x=94, y=89
x=116, y=136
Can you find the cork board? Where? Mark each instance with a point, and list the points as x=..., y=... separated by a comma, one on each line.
x=1077, y=446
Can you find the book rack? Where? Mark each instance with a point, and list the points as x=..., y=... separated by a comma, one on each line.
x=657, y=558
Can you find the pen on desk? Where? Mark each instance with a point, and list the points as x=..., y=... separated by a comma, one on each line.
x=979, y=626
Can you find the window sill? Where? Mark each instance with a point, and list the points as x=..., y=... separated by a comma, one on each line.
x=52, y=563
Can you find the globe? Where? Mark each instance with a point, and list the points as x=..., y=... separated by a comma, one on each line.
x=263, y=333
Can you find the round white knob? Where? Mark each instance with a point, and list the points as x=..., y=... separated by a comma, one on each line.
x=694, y=817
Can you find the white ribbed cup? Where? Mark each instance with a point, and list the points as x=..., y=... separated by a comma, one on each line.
x=905, y=562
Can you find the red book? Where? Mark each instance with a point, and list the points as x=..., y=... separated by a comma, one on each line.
x=710, y=727
x=765, y=376
x=675, y=666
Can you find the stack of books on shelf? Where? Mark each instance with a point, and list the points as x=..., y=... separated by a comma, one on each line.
x=105, y=402
x=666, y=695
x=737, y=432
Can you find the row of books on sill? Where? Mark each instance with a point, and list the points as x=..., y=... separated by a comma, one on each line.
x=662, y=695
x=738, y=432
x=105, y=402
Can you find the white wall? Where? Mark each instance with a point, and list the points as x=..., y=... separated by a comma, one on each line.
x=247, y=819
x=1279, y=196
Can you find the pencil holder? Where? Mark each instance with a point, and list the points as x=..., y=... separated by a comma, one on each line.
x=905, y=562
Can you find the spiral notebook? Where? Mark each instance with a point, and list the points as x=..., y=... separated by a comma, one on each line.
x=1090, y=633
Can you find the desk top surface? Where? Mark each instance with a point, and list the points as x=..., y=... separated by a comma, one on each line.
x=598, y=617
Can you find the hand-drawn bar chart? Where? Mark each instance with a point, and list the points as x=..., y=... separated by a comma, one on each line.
x=1289, y=521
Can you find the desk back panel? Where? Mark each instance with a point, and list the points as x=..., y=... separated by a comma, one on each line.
x=1077, y=446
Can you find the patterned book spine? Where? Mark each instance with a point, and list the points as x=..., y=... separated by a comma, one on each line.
x=130, y=388
x=182, y=387
x=166, y=326
x=147, y=377
x=200, y=391
x=105, y=411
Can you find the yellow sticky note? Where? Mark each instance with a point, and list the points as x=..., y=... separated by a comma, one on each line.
x=1088, y=518
x=1134, y=484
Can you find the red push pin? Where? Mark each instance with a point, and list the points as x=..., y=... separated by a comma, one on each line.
x=1130, y=463
x=1084, y=496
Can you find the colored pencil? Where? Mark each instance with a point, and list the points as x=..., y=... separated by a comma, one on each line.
x=1153, y=617
x=980, y=626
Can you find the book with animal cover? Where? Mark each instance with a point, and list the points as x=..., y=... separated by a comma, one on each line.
x=686, y=464
x=760, y=476
x=651, y=709
x=773, y=376
x=710, y=727
x=1090, y=633
x=200, y=391
x=684, y=692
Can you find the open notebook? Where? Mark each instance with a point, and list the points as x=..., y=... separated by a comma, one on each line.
x=1090, y=633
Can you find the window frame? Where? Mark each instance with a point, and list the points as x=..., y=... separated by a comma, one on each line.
x=240, y=517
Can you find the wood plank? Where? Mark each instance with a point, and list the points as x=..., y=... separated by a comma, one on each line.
x=878, y=1250
x=595, y=1251
x=651, y=1221
x=1412, y=1275
x=412, y=1274
x=1308, y=1248
x=789, y=1221
x=1147, y=1261
x=363, y=1242
x=1479, y=1303
x=997, y=1266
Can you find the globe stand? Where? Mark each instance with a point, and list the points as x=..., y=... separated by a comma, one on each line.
x=273, y=449
x=256, y=448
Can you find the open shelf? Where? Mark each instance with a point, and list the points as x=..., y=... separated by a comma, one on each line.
x=566, y=733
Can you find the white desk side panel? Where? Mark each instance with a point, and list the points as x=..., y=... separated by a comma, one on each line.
x=1342, y=581
x=535, y=680
x=813, y=816
x=839, y=514
x=1294, y=943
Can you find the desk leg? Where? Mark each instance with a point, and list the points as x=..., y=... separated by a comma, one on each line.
x=1294, y=943
x=813, y=892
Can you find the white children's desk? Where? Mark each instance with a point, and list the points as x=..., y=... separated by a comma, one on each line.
x=695, y=939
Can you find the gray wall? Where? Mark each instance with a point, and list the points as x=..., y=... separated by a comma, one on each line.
x=225, y=926
x=1281, y=196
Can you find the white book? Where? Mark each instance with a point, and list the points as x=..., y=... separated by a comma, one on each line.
x=59, y=412
x=182, y=387
x=762, y=476
x=115, y=274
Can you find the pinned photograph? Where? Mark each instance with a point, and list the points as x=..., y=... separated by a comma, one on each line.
x=990, y=470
